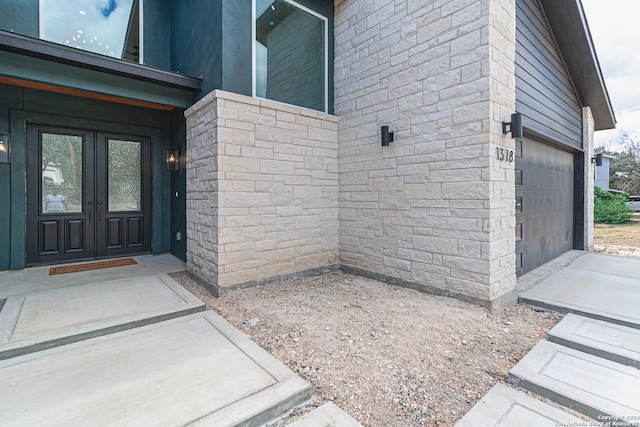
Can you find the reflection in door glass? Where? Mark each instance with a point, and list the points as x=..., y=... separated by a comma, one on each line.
x=124, y=176
x=61, y=159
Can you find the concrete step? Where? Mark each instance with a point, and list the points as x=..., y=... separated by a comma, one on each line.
x=194, y=370
x=46, y=319
x=503, y=406
x=603, y=339
x=327, y=415
x=591, y=385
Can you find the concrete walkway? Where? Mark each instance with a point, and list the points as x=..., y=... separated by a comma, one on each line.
x=594, y=285
x=46, y=319
x=193, y=370
x=586, y=364
x=129, y=346
x=503, y=406
x=37, y=279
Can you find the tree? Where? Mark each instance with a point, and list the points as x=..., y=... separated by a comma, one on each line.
x=611, y=208
x=624, y=169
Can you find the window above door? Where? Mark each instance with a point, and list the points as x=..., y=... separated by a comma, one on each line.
x=290, y=54
x=107, y=27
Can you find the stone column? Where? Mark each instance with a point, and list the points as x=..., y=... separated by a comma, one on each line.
x=588, y=126
x=433, y=211
x=262, y=190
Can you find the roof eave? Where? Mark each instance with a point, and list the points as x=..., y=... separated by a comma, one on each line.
x=36, y=48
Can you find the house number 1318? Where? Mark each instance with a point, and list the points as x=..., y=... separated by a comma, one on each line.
x=504, y=155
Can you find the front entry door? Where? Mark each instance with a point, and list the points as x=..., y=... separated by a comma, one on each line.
x=88, y=195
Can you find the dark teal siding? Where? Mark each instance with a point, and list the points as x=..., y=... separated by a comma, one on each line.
x=192, y=37
x=19, y=16
x=196, y=34
x=545, y=94
x=157, y=33
x=236, y=46
x=10, y=98
x=179, y=187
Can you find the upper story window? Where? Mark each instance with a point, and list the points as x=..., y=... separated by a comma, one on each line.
x=290, y=54
x=107, y=27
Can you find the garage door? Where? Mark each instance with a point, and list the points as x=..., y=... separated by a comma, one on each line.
x=544, y=204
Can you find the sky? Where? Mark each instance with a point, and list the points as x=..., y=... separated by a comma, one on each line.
x=616, y=35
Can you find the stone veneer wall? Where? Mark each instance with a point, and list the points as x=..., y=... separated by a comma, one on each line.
x=262, y=190
x=588, y=127
x=435, y=210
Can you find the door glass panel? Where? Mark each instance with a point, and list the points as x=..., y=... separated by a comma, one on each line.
x=61, y=172
x=518, y=204
x=124, y=176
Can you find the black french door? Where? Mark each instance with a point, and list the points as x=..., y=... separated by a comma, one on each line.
x=88, y=195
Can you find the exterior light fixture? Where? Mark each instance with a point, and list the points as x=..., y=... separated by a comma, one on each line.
x=173, y=159
x=514, y=126
x=4, y=148
x=387, y=136
x=597, y=159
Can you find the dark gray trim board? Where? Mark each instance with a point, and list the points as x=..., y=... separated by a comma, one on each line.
x=27, y=71
x=53, y=52
x=530, y=133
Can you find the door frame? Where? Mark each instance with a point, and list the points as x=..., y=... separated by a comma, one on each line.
x=61, y=223
x=102, y=232
x=160, y=179
x=94, y=232
x=522, y=217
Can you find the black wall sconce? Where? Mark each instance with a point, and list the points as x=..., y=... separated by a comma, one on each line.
x=4, y=148
x=597, y=159
x=173, y=159
x=387, y=136
x=514, y=126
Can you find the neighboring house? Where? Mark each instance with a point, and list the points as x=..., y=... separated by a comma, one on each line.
x=602, y=174
x=274, y=110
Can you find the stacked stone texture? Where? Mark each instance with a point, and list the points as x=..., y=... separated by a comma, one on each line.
x=435, y=209
x=588, y=128
x=269, y=172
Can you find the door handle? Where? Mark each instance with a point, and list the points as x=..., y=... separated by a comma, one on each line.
x=90, y=212
x=99, y=215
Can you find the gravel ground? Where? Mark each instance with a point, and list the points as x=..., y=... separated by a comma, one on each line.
x=388, y=356
x=625, y=251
